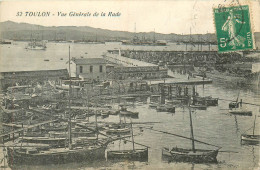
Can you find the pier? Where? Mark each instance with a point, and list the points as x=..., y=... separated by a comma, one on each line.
x=172, y=77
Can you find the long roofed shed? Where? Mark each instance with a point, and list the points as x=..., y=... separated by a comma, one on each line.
x=86, y=61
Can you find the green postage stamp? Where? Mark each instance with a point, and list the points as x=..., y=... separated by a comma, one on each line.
x=233, y=28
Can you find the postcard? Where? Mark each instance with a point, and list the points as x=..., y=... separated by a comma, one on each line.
x=124, y=84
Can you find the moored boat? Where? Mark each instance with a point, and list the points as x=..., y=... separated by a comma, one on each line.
x=121, y=130
x=129, y=113
x=58, y=142
x=208, y=100
x=199, y=107
x=35, y=156
x=250, y=139
x=233, y=104
x=153, y=105
x=133, y=155
x=165, y=108
x=240, y=111
x=188, y=155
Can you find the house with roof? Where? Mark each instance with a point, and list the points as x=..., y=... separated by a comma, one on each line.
x=88, y=68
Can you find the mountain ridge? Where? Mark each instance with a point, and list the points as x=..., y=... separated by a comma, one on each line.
x=25, y=31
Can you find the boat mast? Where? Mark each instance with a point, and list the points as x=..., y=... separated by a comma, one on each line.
x=96, y=123
x=154, y=35
x=96, y=35
x=192, y=136
x=254, y=127
x=238, y=96
x=132, y=134
x=70, y=140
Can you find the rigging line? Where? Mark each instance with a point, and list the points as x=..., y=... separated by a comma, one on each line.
x=183, y=137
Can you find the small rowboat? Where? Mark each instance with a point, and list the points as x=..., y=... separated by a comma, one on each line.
x=188, y=155
x=129, y=113
x=233, y=104
x=250, y=139
x=153, y=105
x=240, y=112
x=165, y=108
x=133, y=155
x=199, y=107
x=125, y=130
x=45, y=140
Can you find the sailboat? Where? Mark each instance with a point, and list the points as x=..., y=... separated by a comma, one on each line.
x=191, y=155
x=250, y=139
x=239, y=110
x=53, y=155
x=132, y=154
x=118, y=129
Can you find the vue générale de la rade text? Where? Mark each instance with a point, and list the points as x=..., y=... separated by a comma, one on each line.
x=67, y=14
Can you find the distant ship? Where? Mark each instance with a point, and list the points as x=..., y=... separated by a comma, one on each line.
x=36, y=45
x=144, y=42
x=5, y=42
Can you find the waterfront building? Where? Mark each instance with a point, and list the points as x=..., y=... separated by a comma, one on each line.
x=88, y=68
x=11, y=78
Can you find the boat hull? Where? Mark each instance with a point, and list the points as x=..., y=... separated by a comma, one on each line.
x=240, y=112
x=186, y=155
x=16, y=157
x=165, y=109
x=121, y=131
x=250, y=139
x=199, y=107
x=136, y=155
x=58, y=142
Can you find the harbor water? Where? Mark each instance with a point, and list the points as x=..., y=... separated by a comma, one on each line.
x=214, y=125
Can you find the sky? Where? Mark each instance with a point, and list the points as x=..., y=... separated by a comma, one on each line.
x=164, y=16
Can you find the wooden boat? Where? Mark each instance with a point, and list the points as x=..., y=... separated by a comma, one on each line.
x=55, y=128
x=113, y=111
x=249, y=139
x=125, y=112
x=187, y=155
x=233, y=104
x=199, y=107
x=35, y=156
x=153, y=105
x=58, y=142
x=105, y=113
x=208, y=100
x=133, y=154
x=240, y=111
x=173, y=102
x=129, y=113
x=190, y=155
x=165, y=108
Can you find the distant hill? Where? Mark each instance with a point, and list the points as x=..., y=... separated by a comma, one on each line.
x=25, y=31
